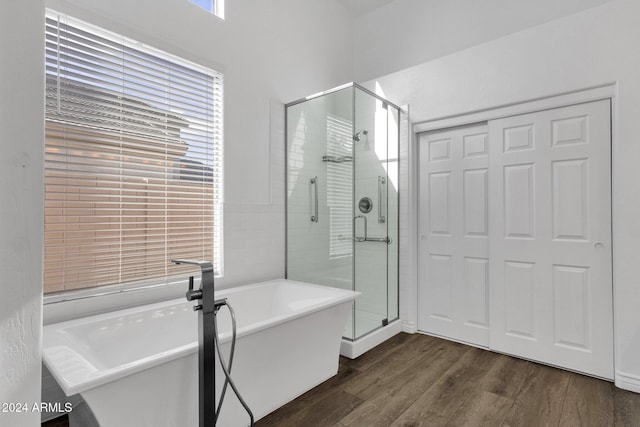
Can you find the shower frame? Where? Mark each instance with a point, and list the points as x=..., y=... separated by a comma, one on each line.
x=376, y=340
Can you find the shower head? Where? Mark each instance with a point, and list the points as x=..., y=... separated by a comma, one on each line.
x=356, y=137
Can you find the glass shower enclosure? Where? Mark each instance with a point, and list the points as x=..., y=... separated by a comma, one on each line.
x=342, y=156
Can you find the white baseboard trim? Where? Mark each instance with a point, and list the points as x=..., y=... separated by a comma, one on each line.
x=628, y=382
x=409, y=327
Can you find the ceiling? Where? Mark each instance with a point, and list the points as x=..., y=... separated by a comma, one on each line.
x=360, y=7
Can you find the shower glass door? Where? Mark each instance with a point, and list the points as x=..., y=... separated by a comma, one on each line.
x=342, y=181
x=375, y=218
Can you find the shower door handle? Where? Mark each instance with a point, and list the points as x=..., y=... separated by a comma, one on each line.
x=366, y=238
x=381, y=182
x=314, y=182
x=356, y=238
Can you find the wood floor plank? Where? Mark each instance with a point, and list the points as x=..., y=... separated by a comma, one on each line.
x=627, y=408
x=541, y=400
x=507, y=376
x=589, y=402
x=482, y=408
x=450, y=391
x=430, y=419
x=400, y=392
x=402, y=364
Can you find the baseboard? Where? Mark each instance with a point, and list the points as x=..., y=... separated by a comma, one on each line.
x=409, y=327
x=627, y=381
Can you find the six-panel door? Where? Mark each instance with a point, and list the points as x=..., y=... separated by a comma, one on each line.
x=550, y=239
x=454, y=232
x=515, y=236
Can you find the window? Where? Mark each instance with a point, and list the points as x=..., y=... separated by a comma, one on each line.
x=213, y=6
x=133, y=160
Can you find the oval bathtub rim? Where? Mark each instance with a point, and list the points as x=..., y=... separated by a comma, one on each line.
x=126, y=369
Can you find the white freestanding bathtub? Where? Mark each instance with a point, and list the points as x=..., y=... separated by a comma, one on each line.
x=138, y=367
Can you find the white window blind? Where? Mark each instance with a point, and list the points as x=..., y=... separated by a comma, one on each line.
x=133, y=162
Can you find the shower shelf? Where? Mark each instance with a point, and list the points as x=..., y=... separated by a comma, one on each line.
x=337, y=159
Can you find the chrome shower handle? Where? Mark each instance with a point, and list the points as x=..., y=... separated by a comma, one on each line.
x=366, y=238
x=381, y=182
x=314, y=182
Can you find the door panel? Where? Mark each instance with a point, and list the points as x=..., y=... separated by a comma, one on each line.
x=550, y=239
x=370, y=163
x=454, y=229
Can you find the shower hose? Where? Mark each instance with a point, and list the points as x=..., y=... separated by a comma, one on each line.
x=227, y=370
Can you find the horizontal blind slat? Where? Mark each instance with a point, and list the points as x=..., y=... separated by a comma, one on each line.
x=133, y=160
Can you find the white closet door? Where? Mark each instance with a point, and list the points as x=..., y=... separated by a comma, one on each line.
x=550, y=263
x=454, y=265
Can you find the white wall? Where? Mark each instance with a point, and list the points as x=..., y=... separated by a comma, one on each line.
x=21, y=216
x=591, y=48
x=270, y=53
x=405, y=33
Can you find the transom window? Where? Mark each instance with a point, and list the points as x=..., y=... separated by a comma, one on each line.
x=213, y=6
x=133, y=160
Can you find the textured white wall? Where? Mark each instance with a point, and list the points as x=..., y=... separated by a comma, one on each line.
x=591, y=48
x=21, y=206
x=405, y=33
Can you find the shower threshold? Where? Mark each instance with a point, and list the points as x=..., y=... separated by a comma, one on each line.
x=354, y=349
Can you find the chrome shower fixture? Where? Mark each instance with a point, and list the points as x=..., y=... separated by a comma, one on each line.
x=356, y=137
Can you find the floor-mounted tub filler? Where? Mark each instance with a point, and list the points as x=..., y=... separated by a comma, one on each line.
x=138, y=367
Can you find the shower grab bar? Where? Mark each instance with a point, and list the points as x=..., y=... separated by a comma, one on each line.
x=366, y=238
x=314, y=182
x=381, y=182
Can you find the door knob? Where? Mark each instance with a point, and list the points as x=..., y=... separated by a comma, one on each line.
x=599, y=245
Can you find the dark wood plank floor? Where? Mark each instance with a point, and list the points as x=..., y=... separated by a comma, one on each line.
x=417, y=380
